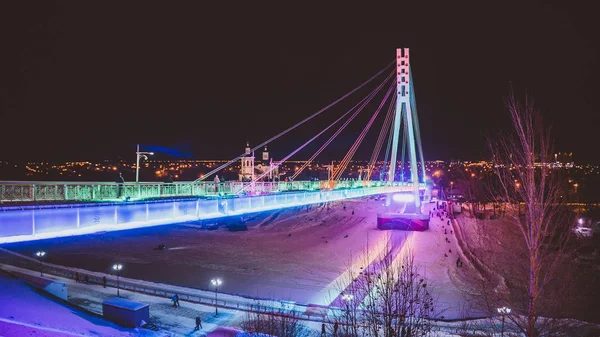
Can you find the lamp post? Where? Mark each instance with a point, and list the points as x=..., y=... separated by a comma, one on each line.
x=40, y=255
x=117, y=268
x=503, y=311
x=347, y=299
x=216, y=283
x=137, y=161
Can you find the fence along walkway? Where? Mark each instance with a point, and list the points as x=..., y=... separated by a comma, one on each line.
x=32, y=191
x=10, y=260
x=207, y=297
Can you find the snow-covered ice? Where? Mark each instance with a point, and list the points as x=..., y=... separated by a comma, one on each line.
x=297, y=254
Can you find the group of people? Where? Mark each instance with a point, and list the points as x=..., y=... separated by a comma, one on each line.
x=440, y=211
x=85, y=279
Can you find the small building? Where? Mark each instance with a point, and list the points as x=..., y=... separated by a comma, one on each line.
x=125, y=312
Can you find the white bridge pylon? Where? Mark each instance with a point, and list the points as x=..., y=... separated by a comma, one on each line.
x=405, y=117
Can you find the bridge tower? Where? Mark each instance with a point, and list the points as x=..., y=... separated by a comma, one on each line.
x=406, y=113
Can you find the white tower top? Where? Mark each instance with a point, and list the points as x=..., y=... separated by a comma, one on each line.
x=248, y=150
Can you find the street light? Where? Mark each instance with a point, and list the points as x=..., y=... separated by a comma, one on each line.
x=216, y=283
x=137, y=162
x=117, y=268
x=347, y=299
x=503, y=311
x=40, y=254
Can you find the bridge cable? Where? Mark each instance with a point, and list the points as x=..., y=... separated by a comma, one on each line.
x=309, y=141
x=297, y=124
x=360, y=138
x=344, y=163
x=385, y=168
x=381, y=139
x=413, y=105
x=404, y=158
x=362, y=104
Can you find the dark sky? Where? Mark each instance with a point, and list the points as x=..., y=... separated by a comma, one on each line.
x=82, y=79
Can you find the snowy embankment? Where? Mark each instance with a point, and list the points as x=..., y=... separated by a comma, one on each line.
x=465, y=235
x=25, y=312
x=305, y=250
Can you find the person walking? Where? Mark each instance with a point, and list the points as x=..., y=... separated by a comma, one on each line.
x=77, y=277
x=335, y=329
x=198, y=323
x=323, y=334
x=175, y=301
x=104, y=281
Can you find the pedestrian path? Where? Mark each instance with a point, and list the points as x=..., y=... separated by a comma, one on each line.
x=169, y=320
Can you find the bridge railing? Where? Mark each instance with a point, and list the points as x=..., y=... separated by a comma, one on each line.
x=33, y=191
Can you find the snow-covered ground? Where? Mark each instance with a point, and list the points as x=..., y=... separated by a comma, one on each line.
x=25, y=312
x=295, y=254
x=581, y=272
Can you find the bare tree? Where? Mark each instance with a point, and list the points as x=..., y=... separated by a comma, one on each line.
x=533, y=195
x=285, y=325
x=390, y=297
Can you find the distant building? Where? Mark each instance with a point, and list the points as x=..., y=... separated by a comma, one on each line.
x=253, y=169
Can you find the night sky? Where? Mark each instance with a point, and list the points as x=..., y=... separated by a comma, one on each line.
x=89, y=80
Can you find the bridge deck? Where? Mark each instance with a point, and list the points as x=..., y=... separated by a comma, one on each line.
x=31, y=223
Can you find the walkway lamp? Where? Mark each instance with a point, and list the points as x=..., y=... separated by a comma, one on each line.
x=347, y=299
x=137, y=161
x=40, y=255
x=216, y=283
x=117, y=268
x=503, y=311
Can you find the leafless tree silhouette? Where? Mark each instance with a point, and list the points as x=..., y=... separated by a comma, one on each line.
x=532, y=194
x=390, y=297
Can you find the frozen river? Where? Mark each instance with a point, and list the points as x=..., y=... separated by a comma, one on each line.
x=296, y=254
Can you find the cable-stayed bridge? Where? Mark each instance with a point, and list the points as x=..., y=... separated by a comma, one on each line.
x=78, y=208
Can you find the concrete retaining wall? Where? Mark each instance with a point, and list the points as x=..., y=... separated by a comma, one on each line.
x=53, y=287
